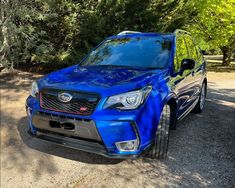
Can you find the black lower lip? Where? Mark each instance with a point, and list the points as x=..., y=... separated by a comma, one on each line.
x=82, y=145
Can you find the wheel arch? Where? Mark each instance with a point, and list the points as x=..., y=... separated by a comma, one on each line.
x=205, y=81
x=171, y=100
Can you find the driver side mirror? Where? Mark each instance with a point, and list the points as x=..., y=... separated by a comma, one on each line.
x=186, y=64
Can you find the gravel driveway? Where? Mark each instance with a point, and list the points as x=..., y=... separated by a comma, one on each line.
x=201, y=153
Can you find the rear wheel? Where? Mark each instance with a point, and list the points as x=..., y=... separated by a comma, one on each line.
x=201, y=102
x=160, y=147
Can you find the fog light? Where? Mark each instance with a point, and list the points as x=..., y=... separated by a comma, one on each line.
x=130, y=145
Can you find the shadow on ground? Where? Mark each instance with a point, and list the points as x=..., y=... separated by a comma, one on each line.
x=201, y=150
x=60, y=151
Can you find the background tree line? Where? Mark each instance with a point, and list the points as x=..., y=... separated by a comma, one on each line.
x=61, y=32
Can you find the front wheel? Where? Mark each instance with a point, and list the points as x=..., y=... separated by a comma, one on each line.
x=160, y=146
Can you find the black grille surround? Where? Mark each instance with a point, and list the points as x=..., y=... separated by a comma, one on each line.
x=82, y=103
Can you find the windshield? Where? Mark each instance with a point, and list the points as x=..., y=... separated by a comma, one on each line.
x=146, y=52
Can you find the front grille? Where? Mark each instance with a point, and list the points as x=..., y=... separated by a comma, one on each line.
x=81, y=103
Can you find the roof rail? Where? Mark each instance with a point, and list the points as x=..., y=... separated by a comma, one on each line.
x=128, y=32
x=182, y=31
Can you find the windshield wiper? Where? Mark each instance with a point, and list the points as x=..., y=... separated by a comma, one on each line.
x=126, y=66
x=153, y=68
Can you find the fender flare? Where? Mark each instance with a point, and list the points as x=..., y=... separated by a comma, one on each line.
x=171, y=96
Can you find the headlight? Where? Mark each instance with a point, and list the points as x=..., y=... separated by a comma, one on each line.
x=34, y=89
x=129, y=100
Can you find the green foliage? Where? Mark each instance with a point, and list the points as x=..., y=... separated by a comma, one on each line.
x=214, y=26
x=63, y=31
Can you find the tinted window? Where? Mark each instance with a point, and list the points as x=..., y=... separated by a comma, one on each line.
x=199, y=54
x=181, y=52
x=149, y=52
x=191, y=48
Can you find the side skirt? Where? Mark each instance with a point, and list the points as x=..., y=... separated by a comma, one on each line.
x=188, y=110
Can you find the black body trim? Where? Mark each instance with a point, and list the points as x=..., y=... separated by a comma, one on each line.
x=83, y=128
x=87, y=146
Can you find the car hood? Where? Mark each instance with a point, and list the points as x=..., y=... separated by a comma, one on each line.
x=97, y=78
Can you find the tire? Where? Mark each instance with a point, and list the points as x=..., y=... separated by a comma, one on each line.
x=173, y=120
x=201, y=102
x=160, y=146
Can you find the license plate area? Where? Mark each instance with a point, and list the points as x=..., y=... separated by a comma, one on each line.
x=70, y=127
x=59, y=125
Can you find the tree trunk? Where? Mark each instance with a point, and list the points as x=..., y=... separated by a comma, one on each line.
x=226, y=50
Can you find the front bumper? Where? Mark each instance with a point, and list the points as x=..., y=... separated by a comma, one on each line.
x=82, y=145
x=98, y=135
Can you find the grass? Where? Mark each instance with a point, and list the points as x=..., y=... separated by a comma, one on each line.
x=215, y=65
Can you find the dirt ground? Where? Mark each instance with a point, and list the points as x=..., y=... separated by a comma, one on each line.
x=201, y=153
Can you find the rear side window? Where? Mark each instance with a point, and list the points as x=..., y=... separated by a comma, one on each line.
x=199, y=54
x=180, y=53
x=191, y=48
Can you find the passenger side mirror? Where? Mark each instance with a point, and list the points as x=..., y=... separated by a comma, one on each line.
x=187, y=64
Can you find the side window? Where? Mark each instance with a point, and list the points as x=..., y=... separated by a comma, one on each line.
x=181, y=52
x=199, y=54
x=191, y=48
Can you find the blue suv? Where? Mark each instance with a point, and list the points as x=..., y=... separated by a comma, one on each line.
x=122, y=99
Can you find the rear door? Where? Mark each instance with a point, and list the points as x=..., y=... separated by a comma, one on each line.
x=182, y=84
x=196, y=73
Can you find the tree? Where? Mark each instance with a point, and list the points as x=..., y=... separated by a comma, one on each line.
x=64, y=30
x=17, y=35
x=7, y=31
x=58, y=31
x=215, y=22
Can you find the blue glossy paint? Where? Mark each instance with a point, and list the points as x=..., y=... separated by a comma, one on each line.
x=116, y=125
